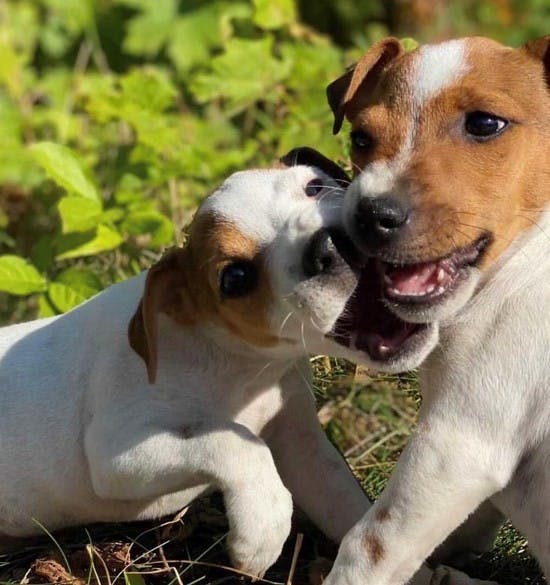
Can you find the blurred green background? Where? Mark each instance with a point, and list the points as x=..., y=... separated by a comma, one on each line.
x=118, y=116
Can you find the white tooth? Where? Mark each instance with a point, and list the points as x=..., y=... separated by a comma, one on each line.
x=383, y=349
x=440, y=275
x=430, y=289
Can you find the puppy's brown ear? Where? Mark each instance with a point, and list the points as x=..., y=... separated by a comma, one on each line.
x=164, y=289
x=362, y=75
x=540, y=50
x=304, y=155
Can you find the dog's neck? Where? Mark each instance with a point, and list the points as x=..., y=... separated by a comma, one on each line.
x=520, y=275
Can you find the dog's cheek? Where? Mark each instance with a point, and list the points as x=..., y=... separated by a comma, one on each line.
x=249, y=318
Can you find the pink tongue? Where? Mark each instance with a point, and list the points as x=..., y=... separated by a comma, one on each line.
x=416, y=279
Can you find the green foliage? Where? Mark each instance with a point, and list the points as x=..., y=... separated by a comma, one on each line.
x=18, y=277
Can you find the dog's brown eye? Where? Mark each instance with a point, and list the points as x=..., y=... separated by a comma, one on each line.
x=314, y=187
x=238, y=279
x=361, y=140
x=482, y=125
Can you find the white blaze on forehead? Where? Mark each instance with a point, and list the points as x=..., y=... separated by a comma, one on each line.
x=260, y=202
x=437, y=67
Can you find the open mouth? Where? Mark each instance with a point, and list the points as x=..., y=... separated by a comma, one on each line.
x=366, y=324
x=429, y=282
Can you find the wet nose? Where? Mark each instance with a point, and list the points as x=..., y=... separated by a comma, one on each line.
x=321, y=255
x=380, y=220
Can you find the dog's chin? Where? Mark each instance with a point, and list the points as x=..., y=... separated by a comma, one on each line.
x=369, y=333
x=434, y=290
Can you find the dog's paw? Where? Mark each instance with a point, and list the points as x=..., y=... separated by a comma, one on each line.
x=260, y=526
x=448, y=576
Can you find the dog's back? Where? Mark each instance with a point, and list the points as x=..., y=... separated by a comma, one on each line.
x=40, y=393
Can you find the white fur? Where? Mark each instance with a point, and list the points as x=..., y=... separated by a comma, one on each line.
x=484, y=427
x=436, y=68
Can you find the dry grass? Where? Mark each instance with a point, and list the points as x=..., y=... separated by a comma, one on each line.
x=368, y=418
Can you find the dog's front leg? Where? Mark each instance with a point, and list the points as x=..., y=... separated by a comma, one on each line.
x=444, y=474
x=140, y=462
x=472, y=538
x=313, y=470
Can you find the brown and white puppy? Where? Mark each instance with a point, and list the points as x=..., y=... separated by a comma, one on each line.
x=451, y=199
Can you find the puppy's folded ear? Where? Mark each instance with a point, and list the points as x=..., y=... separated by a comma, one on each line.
x=304, y=155
x=363, y=75
x=540, y=50
x=164, y=292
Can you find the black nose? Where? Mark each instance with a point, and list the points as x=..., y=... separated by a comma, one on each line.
x=380, y=220
x=321, y=255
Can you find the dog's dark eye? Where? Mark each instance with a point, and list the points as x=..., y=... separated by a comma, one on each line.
x=361, y=140
x=482, y=125
x=314, y=187
x=238, y=279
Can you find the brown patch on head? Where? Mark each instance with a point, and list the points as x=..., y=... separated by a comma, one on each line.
x=456, y=188
x=374, y=548
x=213, y=244
x=343, y=93
x=185, y=284
x=383, y=515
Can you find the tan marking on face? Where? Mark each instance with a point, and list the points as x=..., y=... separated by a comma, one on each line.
x=374, y=548
x=459, y=189
x=213, y=244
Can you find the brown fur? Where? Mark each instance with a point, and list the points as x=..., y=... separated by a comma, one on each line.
x=374, y=548
x=383, y=515
x=184, y=284
x=459, y=189
x=362, y=76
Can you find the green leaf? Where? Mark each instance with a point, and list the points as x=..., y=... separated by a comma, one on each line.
x=19, y=277
x=61, y=165
x=105, y=238
x=274, y=14
x=149, y=88
x=81, y=279
x=150, y=222
x=409, y=44
x=72, y=287
x=247, y=71
x=45, y=308
x=79, y=214
x=148, y=32
x=133, y=579
x=194, y=35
